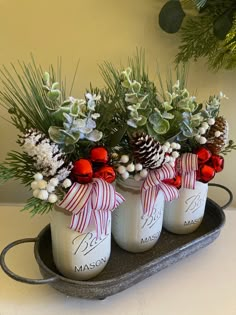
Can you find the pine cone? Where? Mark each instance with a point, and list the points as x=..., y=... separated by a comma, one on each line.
x=147, y=151
x=216, y=144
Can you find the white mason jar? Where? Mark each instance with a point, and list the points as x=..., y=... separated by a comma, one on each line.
x=185, y=214
x=78, y=256
x=132, y=230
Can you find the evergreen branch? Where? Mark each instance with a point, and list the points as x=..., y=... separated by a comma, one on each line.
x=23, y=96
x=17, y=165
x=197, y=40
x=37, y=206
x=230, y=147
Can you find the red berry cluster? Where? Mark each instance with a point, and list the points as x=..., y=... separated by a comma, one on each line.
x=96, y=166
x=208, y=165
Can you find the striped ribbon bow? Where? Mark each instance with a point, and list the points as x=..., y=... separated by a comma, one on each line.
x=153, y=184
x=93, y=201
x=187, y=165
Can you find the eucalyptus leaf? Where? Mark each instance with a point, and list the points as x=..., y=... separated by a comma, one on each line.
x=222, y=25
x=136, y=86
x=171, y=17
x=168, y=115
x=187, y=130
x=58, y=115
x=46, y=78
x=142, y=121
x=56, y=134
x=131, y=98
x=95, y=135
x=161, y=127
x=55, y=85
x=74, y=109
x=53, y=95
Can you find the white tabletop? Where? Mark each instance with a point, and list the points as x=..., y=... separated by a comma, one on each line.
x=202, y=284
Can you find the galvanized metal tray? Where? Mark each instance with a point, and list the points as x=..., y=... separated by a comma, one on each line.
x=124, y=269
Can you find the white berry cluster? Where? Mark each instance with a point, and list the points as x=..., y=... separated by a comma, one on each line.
x=203, y=129
x=44, y=190
x=48, y=157
x=127, y=167
x=171, y=152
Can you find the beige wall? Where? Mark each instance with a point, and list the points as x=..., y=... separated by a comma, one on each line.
x=93, y=31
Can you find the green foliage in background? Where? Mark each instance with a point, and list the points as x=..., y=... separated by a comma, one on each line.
x=210, y=33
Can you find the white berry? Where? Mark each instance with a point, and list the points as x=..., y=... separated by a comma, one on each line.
x=138, y=167
x=67, y=183
x=197, y=138
x=52, y=198
x=167, y=158
x=42, y=184
x=125, y=175
x=43, y=194
x=165, y=148
x=178, y=146
x=50, y=188
x=205, y=125
x=124, y=158
x=217, y=134
x=143, y=173
x=173, y=145
x=36, y=193
x=202, y=140
x=211, y=121
x=54, y=181
x=38, y=176
x=175, y=154
x=130, y=167
x=34, y=185
x=202, y=130
x=121, y=169
x=167, y=144
x=137, y=177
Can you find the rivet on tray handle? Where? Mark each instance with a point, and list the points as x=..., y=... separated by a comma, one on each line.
x=228, y=191
x=15, y=276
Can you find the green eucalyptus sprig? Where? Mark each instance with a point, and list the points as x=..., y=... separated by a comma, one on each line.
x=75, y=119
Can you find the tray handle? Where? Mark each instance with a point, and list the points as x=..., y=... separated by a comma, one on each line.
x=228, y=191
x=13, y=275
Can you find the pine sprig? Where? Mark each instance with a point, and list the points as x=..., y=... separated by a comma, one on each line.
x=37, y=206
x=197, y=40
x=230, y=147
x=17, y=165
x=23, y=96
x=209, y=34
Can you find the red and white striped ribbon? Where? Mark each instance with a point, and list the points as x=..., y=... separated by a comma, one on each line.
x=93, y=201
x=187, y=165
x=153, y=184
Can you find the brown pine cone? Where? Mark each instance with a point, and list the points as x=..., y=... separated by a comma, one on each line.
x=147, y=151
x=217, y=144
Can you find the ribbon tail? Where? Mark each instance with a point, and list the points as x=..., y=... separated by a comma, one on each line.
x=148, y=200
x=170, y=192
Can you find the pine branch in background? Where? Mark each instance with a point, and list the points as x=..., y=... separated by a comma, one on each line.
x=197, y=40
x=210, y=34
